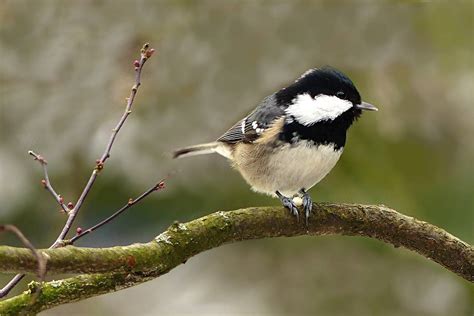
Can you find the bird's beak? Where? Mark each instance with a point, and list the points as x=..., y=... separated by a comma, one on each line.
x=366, y=106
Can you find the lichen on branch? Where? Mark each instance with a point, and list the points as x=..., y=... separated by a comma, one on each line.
x=116, y=268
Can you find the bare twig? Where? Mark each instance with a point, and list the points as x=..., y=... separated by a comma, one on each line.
x=46, y=182
x=11, y=284
x=146, y=53
x=160, y=185
x=40, y=259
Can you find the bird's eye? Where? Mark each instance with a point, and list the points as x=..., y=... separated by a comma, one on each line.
x=341, y=95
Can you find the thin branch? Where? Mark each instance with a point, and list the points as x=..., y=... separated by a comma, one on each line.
x=145, y=53
x=11, y=284
x=46, y=182
x=123, y=267
x=160, y=185
x=39, y=258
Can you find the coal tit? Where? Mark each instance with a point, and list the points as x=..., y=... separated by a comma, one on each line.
x=293, y=138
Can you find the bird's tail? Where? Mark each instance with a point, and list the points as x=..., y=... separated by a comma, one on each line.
x=201, y=149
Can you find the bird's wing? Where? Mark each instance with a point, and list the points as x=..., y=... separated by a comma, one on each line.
x=253, y=125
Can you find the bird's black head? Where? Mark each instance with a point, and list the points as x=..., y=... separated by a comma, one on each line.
x=322, y=102
x=324, y=81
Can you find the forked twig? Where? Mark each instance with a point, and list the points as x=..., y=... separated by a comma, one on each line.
x=131, y=202
x=46, y=183
x=146, y=53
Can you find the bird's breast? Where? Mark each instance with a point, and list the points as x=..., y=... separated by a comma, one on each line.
x=286, y=168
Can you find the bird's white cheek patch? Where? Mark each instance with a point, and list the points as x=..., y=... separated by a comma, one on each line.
x=308, y=110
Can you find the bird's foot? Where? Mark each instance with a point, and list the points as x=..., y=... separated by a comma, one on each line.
x=307, y=204
x=289, y=204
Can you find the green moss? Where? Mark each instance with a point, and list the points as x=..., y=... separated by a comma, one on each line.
x=130, y=265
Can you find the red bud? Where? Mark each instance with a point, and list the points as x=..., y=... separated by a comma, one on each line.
x=61, y=199
x=99, y=164
x=78, y=230
x=149, y=52
x=70, y=205
x=136, y=63
x=160, y=186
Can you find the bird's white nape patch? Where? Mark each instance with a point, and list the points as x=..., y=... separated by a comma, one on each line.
x=307, y=72
x=308, y=110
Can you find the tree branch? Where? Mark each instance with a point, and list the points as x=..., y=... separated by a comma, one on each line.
x=134, y=264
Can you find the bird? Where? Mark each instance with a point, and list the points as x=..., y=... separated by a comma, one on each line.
x=293, y=138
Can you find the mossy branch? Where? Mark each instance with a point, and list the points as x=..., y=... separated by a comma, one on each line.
x=112, y=269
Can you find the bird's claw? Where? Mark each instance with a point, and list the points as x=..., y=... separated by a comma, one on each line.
x=290, y=205
x=307, y=204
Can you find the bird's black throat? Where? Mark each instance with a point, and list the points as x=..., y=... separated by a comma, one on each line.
x=321, y=133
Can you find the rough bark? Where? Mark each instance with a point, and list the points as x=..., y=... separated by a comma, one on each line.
x=112, y=269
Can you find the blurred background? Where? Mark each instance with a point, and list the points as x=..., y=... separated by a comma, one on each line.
x=66, y=68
